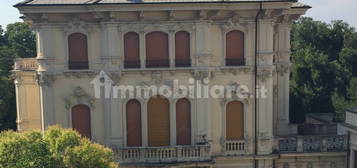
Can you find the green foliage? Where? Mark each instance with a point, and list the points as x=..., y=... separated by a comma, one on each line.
x=57, y=148
x=324, y=57
x=21, y=39
x=18, y=41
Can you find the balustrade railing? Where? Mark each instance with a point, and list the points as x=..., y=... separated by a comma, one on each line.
x=26, y=64
x=235, y=147
x=312, y=144
x=163, y=154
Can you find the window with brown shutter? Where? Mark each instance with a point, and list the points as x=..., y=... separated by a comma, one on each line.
x=183, y=122
x=81, y=120
x=157, y=50
x=182, y=49
x=235, y=48
x=133, y=123
x=158, y=121
x=234, y=121
x=131, y=50
x=78, y=51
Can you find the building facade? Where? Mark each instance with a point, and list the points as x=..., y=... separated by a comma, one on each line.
x=85, y=48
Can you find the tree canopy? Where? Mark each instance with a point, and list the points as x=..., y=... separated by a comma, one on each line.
x=323, y=76
x=18, y=41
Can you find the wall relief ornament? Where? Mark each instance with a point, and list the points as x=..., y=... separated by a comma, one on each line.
x=75, y=25
x=80, y=74
x=79, y=96
x=45, y=79
x=264, y=74
x=282, y=69
x=201, y=74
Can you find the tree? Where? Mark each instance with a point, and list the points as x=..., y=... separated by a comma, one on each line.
x=57, y=148
x=21, y=39
x=18, y=41
x=324, y=58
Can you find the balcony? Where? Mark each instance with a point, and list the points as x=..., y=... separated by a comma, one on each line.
x=26, y=64
x=303, y=144
x=196, y=153
x=235, y=147
x=235, y=61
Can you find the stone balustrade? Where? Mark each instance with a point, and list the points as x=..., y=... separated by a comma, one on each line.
x=26, y=64
x=163, y=154
x=301, y=144
x=235, y=147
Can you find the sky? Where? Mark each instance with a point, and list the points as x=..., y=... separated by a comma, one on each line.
x=324, y=10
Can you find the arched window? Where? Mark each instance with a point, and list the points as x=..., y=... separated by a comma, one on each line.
x=81, y=120
x=131, y=50
x=234, y=121
x=157, y=50
x=158, y=121
x=78, y=51
x=183, y=122
x=182, y=49
x=133, y=123
x=235, y=48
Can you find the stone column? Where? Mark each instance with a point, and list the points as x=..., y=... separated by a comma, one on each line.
x=48, y=113
x=265, y=82
x=203, y=55
x=115, y=47
x=142, y=49
x=283, y=68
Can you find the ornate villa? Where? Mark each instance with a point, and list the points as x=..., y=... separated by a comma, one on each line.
x=153, y=42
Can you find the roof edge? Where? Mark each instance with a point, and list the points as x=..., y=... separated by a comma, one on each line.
x=25, y=3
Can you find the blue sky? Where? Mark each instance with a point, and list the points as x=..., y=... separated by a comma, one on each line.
x=325, y=10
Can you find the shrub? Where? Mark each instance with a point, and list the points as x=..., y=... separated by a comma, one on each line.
x=56, y=148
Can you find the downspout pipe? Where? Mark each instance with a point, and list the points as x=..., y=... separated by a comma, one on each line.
x=256, y=84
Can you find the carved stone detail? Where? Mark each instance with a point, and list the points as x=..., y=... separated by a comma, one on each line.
x=79, y=96
x=80, y=74
x=75, y=25
x=264, y=74
x=282, y=69
x=45, y=79
x=201, y=74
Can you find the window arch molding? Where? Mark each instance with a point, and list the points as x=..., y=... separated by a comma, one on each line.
x=169, y=49
x=68, y=33
x=79, y=97
x=192, y=115
x=245, y=103
x=127, y=64
x=72, y=111
x=191, y=45
x=228, y=29
x=124, y=122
